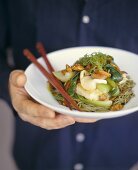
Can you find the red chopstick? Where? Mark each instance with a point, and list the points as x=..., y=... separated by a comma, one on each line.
x=41, y=49
x=50, y=78
x=42, y=52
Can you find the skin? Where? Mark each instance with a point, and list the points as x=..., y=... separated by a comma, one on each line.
x=33, y=112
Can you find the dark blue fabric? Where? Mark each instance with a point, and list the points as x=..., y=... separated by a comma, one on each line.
x=109, y=144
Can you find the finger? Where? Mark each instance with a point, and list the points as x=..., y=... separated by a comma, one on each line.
x=16, y=87
x=17, y=81
x=60, y=121
x=85, y=120
x=34, y=109
x=17, y=78
x=21, y=101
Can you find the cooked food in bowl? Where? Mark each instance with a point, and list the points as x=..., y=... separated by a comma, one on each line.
x=96, y=83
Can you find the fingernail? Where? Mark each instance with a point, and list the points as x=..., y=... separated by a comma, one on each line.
x=21, y=79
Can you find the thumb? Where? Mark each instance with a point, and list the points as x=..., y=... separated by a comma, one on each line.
x=17, y=78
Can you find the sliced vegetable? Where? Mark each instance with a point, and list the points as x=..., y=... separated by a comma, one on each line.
x=104, y=88
x=115, y=75
x=63, y=77
x=72, y=87
x=115, y=91
x=111, y=82
x=106, y=103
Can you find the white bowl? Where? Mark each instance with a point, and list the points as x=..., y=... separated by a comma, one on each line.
x=36, y=84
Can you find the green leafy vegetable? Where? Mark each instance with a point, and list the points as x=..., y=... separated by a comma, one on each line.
x=106, y=103
x=73, y=83
x=115, y=75
x=111, y=82
x=97, y=60
x=115, y=91
x=105, y=88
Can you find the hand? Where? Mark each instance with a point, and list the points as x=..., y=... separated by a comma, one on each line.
x=85, y=120
x=31, y=111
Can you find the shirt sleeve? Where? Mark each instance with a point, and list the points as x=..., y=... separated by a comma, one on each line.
x=4, y=43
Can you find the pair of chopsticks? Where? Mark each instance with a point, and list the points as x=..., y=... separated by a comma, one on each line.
x=52, y=80
x=41, y=50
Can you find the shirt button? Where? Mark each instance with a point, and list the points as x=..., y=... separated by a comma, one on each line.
x=80, y=137
x=85, y=19
x=78, y=166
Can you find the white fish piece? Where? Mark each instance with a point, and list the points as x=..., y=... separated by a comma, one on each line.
x=88, y=83
x=94, y=95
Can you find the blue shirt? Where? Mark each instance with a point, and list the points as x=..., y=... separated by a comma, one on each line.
x=104, y=145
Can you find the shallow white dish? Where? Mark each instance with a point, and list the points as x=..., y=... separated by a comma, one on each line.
x=36, y=84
